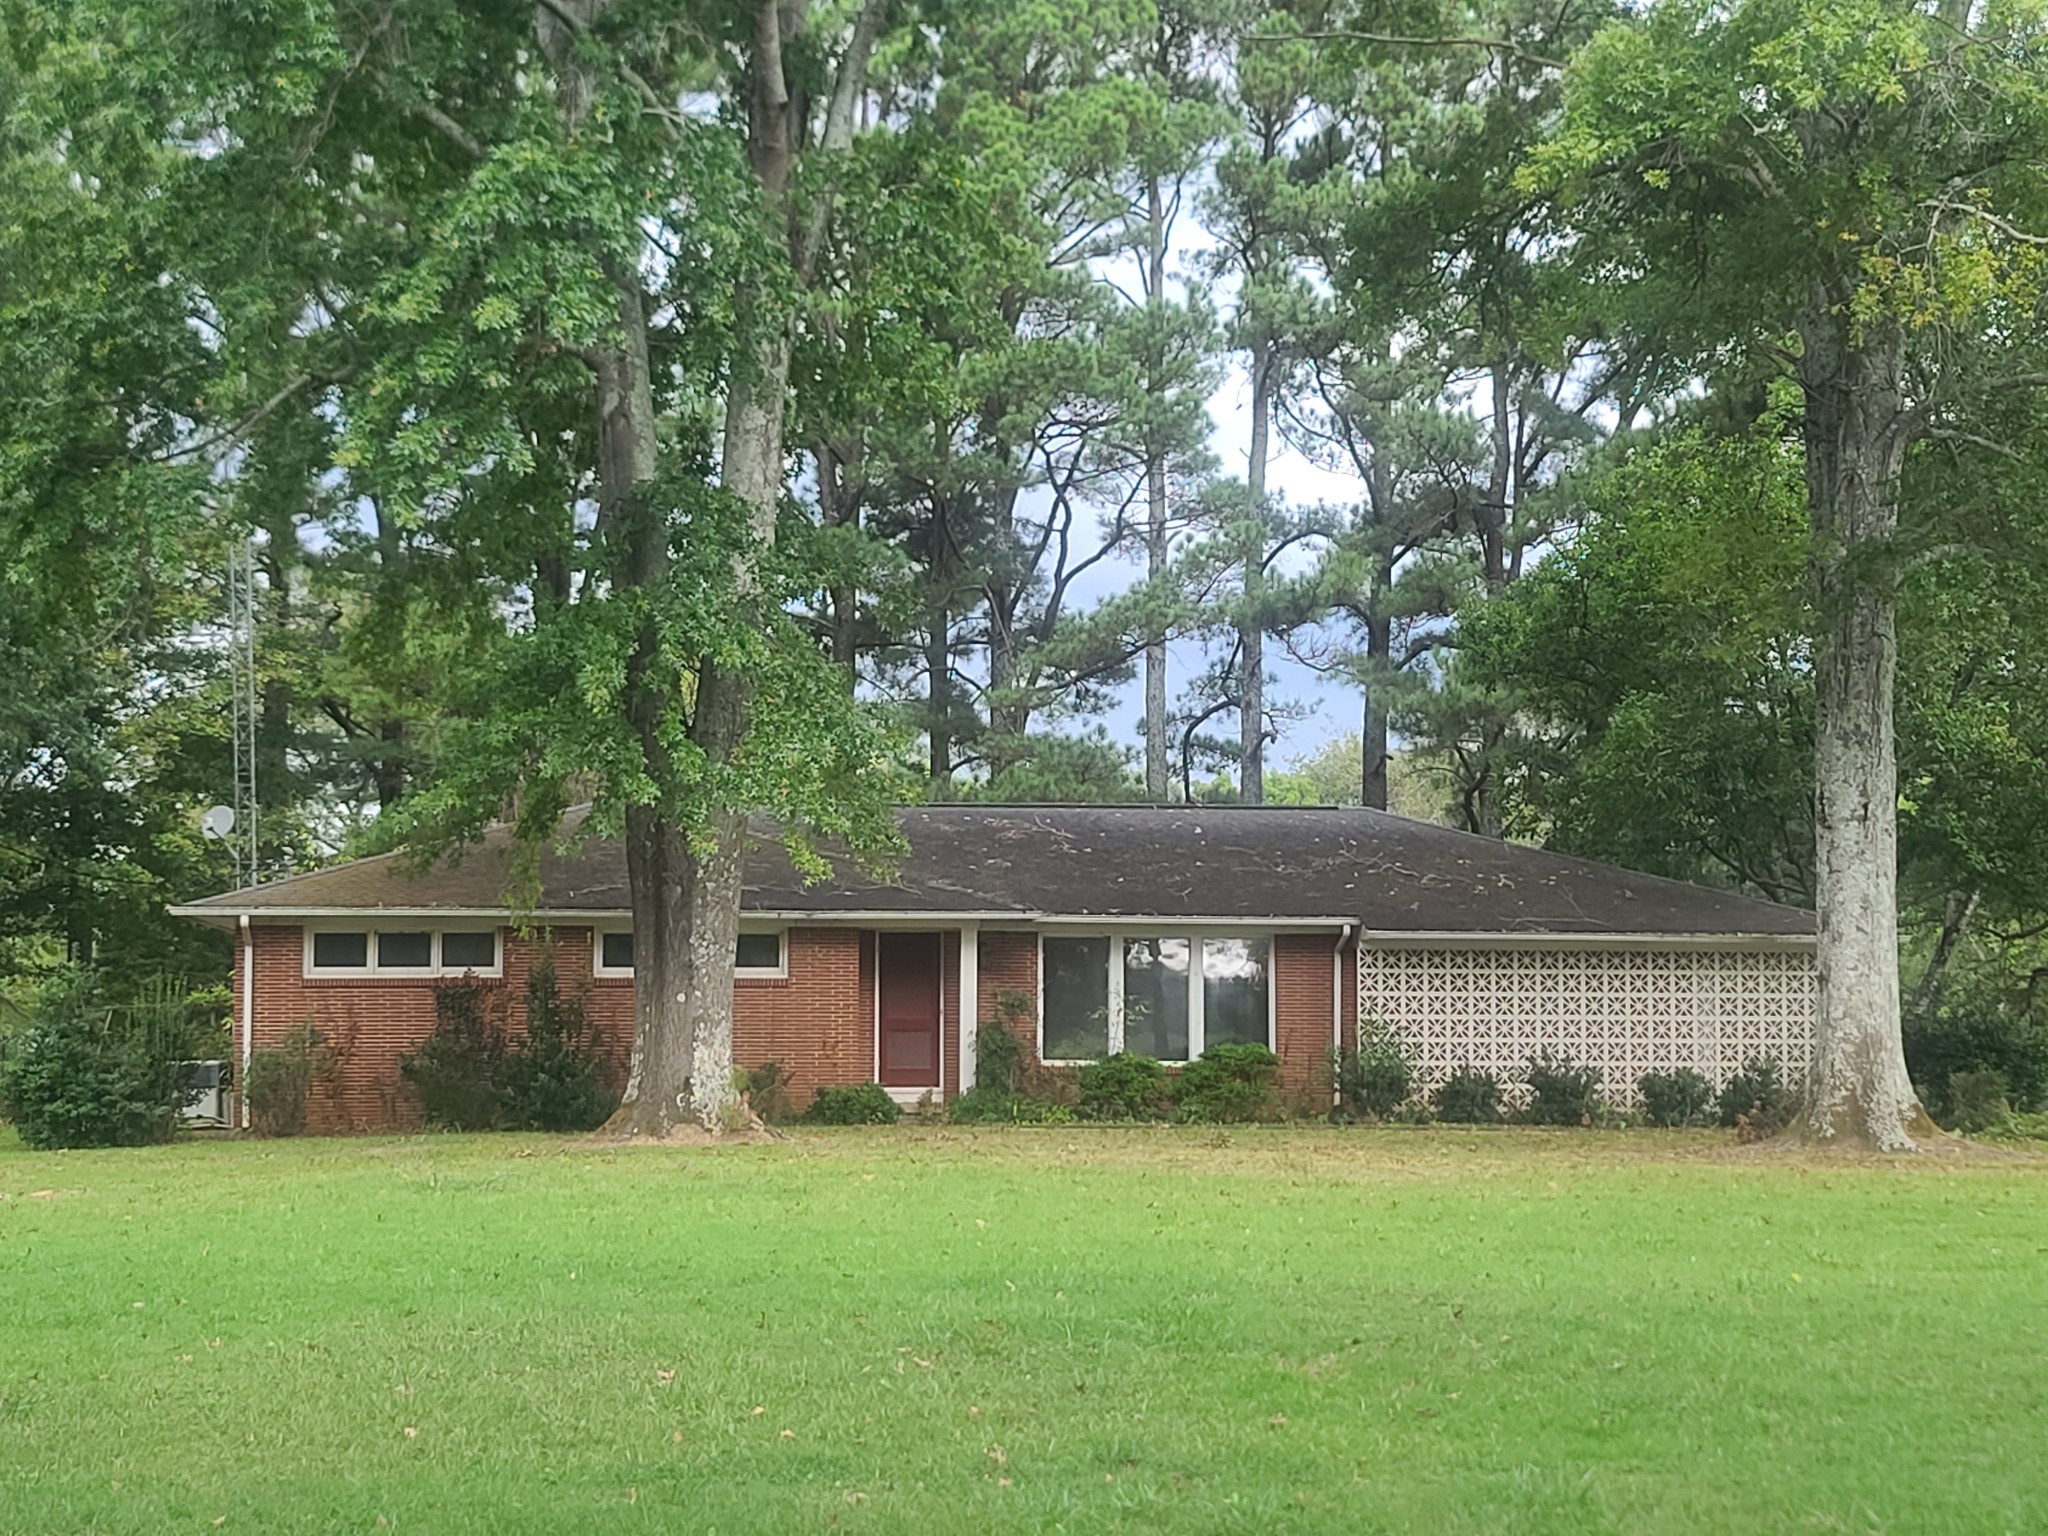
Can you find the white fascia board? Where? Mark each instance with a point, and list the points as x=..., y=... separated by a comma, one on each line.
x=1382, y=938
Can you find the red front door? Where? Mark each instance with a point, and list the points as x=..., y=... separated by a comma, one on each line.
x=907, y=1008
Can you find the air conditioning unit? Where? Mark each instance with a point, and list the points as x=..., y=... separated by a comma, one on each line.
x=206, y=1088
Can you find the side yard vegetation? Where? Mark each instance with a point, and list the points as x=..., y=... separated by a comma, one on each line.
x=83, y=1072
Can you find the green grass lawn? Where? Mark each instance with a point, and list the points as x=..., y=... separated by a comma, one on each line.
x=1170, y=1331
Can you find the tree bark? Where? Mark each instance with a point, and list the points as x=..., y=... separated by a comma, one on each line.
x=1251, y=623
x=686, y=889
x=1957, y=914
x=1855, y=429
x=1372, y=719
x=1155, y=513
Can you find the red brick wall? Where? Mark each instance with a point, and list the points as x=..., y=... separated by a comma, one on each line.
x=1304, y=984
x=1009, y=963
x=818, y=1021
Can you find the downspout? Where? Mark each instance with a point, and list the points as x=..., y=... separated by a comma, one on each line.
x=1337, y=1014
x=248, y=1018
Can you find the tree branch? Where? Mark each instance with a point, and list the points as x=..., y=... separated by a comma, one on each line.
x=1406, y=40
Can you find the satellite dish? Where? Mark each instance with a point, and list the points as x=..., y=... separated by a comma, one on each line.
x=218, y=822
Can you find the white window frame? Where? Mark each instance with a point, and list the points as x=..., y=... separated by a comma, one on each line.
x=371, y=970
x=777, y=972
x=1197, y=998
x=495, y=968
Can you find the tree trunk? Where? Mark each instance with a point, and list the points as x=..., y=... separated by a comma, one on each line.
x=1957, y=914
x=1251, y=623
x=1372, y=719
x=1155, y=513
x=1855, y=435
x=839, y=507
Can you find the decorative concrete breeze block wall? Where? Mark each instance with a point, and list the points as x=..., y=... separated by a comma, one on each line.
x=1627, y=1011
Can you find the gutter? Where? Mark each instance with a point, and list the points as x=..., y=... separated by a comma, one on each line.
x=1399, y=938
x=248, y=1018
x=1337, y=1014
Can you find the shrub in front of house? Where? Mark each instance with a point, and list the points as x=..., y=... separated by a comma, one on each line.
x=1561, y=1091
x=454, y=1073
x=766, y=1090
x=1467, y=1097
x=1372, y=1081
x=854, y=1104
x=981, y=1105
x=1672, y=1099
x=554, y=1077
x=1125, y=1086
x=1229, y=1085
x=1757, y=1099
x=88, y=1074
x=278, y=1082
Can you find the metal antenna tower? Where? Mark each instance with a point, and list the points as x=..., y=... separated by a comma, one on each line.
x=241, y=616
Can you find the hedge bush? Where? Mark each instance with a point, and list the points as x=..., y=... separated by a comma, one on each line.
x=1372, y=1081
x=854, y=1104
x=982, y=1105
x=279, y=1082
x=1561, y=1091
x=454, y=1073
x=555, y=1076
x=1978, y=1034
x=1125, y=1086
x=1230, y=1084
x=1757, y=1097
x=766, y=1089
x=1467, y=1097
x=1672, y=1099
x=86, y=1073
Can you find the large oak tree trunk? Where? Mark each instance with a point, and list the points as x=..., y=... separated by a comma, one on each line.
x=1855, y=430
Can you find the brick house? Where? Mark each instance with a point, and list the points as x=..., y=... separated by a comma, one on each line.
x=1087, y=930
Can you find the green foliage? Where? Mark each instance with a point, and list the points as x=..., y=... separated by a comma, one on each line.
x=1561, y=1091
x=1758, y=1095
x=1125, y=1086
x=1467, y=1097
x=981, y=1105
x=766, y=1090
x=1374, y=1080
x=1976, y=1102
x=999, y=1044
x=454, y=1073
x=854, y=1104
x=1978, y=1032
x=87, y=1074
x=1230, y=1084
x=554, y=1077
x=279, y=1081
x=1678, y=1098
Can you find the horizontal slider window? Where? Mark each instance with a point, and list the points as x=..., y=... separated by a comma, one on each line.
x=759, y=952
x=403, y=952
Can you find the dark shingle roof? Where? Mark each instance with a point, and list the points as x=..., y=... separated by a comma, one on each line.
x=1383, y=871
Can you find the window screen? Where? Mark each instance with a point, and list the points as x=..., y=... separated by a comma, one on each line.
x=1076, y=999
x=1156, y=998
x=615, y=951
x=758, y=952
x=341, y=951
x=407, y=950
x=1234, y=979
x=469, y=951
